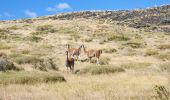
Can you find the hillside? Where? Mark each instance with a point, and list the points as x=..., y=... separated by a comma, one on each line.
x=134, y=64
x=152, y=19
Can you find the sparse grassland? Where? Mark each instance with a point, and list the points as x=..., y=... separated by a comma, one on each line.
x=132, y=65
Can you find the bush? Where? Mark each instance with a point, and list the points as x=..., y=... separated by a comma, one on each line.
x=45, y=29
x=29, y=77
x=102, y=69
x=110, y=50
x=164, y=46
x=104, y=60
x=4, y=33
x=112, y=37
x=135, y=44
x=150, y=52
x=46, y=64
x=164, y=56
x=34, y=38
x=5, y=64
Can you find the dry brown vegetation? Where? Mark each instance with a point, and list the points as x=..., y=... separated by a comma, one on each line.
x=134, y=64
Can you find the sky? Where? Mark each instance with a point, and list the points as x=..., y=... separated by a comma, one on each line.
x=18, y=9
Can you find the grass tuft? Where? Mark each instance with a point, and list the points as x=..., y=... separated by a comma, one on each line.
x=24, y=77
x=151, y=52
x=102, y=69
x=164, y=46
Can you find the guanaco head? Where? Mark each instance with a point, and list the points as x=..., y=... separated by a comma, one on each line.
x=66, y=53
x=68, y=46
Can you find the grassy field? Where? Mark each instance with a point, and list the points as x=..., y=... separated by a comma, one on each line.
x=134, y=64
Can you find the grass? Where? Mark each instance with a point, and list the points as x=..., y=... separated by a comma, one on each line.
x=24, y=77
x=102, y=69
x=151, y=52
x=135, y=65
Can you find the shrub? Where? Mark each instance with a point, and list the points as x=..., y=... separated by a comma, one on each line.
x=150, y=52
x=102, y=69
x=25, y=51
x=4, y=33
x=164, y=46
x=112, y=37
x=4, y=46
x=110, y=50
x=104, y=60
x=44, y=29
x=29, y=77
x=34, y=38
x=5, y=65
x=161, y=92
x=46, y=64
x=164, y=56
x=135, y=44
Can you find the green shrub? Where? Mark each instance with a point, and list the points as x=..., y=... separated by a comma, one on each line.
x=112, y=37
x=24, y=77
x=150, y=52
x=102, y=69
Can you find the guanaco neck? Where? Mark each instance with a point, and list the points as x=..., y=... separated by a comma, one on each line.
x=67, y=56
x=84, y=50
x=68, y=47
